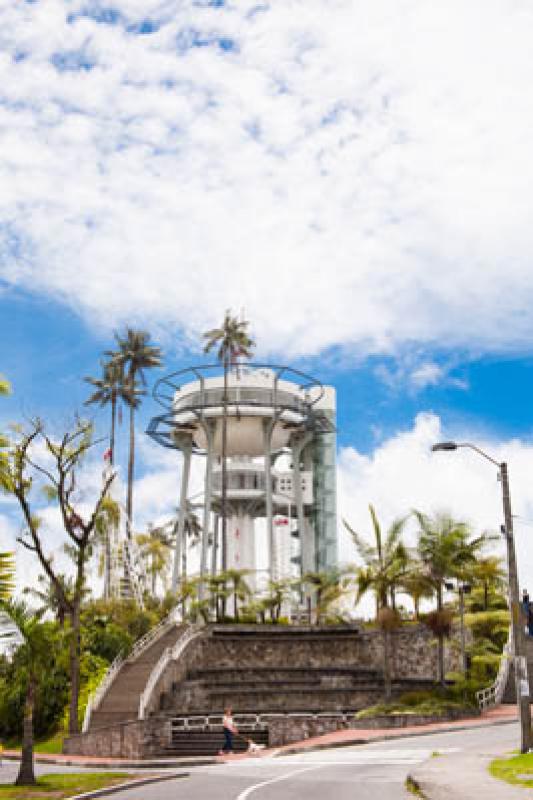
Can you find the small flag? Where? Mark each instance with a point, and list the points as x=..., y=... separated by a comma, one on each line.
x=107, y=455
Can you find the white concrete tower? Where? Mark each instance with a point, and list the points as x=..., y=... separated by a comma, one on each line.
x=280, y=464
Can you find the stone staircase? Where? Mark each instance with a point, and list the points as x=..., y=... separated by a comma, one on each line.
x=260, y=689
x=274, y=673
x=121, y=703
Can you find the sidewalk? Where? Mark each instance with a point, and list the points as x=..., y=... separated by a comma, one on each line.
x=461, y=776
x=501, y=715
x=496, y=716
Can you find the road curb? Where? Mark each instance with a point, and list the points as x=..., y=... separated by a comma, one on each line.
x=129, y=785
x=206, y=761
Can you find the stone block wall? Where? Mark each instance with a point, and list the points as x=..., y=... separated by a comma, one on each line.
x=135, y=740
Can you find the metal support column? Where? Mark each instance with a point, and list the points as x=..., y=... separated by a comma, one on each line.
x=208, y=427
x=268, y=427
x=186, y=450
x=297, y=448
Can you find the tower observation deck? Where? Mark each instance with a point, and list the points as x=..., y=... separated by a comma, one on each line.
x=280, y=465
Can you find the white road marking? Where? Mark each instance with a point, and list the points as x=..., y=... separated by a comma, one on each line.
x=248, y=792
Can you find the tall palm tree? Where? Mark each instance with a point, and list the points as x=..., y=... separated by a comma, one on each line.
x=34, y=653
x=232, y=342
x=385, y=563
x=107, y=521
x=135, y=354
x=109, y=390
x=155, y=546
x=445, y=549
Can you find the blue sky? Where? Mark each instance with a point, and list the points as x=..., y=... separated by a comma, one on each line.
x=356, y=176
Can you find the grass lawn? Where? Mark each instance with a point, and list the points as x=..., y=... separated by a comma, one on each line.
x=52, y=745
x=508, y=769
x=58, y=786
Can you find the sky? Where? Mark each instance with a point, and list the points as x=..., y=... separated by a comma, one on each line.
x=356, y=176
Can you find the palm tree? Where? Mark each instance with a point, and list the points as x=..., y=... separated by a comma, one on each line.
x=48, y=597
x=490, y=573
x=329, y=587
x=232, y=342
x=445, y=549
x=34, y=654
x=5, y=481
x=385, y=563
x=416, y=584
x=155, y=547
x=7, y=575
x=109, y=390
x=135, y=354
x=107, y=520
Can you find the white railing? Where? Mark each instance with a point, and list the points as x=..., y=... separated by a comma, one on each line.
x=139, y=647
x=493, y=695
x=168, y=655
x=152, y=635
x=98, y=695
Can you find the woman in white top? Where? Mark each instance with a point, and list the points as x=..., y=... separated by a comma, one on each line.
x=229, y=730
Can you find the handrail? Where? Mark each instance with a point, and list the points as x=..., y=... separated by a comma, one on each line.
x=99, y=693
x=152, y=635
x=168, y=655
x=142, y=644
x=493, y=695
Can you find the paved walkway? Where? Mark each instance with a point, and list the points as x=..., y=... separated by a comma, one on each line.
x=464, y=776
x=350, y=736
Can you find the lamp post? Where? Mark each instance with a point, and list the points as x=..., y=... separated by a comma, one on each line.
x=517, y=633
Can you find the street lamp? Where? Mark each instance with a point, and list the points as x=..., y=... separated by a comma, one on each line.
x=517, y=633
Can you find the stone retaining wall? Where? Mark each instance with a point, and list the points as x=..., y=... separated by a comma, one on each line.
x=136, y=739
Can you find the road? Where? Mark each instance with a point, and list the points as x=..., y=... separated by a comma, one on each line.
x=365, y=772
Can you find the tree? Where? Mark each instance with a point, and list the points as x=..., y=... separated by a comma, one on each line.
x=384, y=564
x=490, y=573
x=416, y=584
x=59, y=469
x=329, y=587
x=49, y=598
x=109, y=390
x=445, y=549
x=155, y=546
x=107, y=520
x=7, y=563
x=35, y=653
x=135, y=354
x=232, y=342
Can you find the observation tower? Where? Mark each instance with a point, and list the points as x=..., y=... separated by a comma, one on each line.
x=280, y=466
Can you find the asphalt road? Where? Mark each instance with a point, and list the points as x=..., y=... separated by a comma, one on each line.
x=366, y=772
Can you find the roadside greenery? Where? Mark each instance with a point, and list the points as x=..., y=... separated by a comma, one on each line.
x=514, y=770
x=59, y=786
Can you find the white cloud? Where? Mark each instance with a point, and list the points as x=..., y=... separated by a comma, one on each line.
x=402, y=474
x=353, y=174
x=427, y=374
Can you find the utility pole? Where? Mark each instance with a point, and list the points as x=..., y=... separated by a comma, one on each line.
x=517, y=632
x=517, y=629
